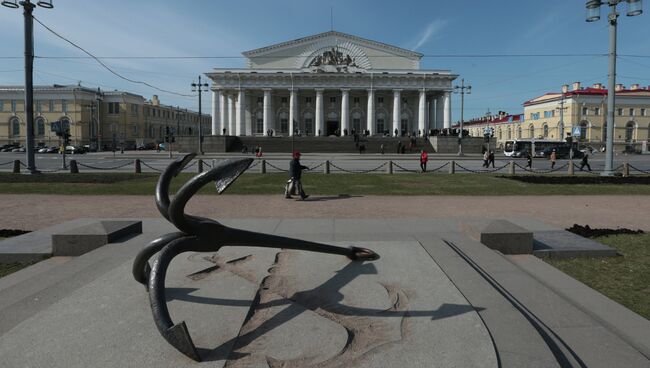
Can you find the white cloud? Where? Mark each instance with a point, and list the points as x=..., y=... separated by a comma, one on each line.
x=431, y=30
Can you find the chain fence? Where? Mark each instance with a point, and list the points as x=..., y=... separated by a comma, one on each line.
x=358, y=171
x=542, y=171
x=105, y=168
x=403, y=168
x=275, y=167
x=439, y=167
x=7, y=163
x=637, y=169
x=151, y=167
x=481, y=171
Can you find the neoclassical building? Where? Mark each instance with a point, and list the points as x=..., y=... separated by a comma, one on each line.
x=330, y=84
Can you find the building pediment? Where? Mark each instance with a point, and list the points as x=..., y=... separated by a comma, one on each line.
x=333, y=52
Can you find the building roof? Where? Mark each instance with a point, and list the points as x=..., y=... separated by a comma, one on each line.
x=399, y=50
x=495, y=119
x=588, y=91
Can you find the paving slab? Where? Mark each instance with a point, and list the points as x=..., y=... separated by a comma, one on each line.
x=83, y=239
x=564, y=244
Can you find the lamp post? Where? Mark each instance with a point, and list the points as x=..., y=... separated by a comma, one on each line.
x=98, y=99
x=462, y=89
x=200, y=87
x=593, y=14
x=28, y=8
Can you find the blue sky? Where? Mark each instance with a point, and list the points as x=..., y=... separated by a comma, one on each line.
x=226, y=28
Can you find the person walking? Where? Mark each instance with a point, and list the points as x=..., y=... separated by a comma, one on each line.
x=295, y=174
x=486, y=157
x=529, y=160
x=491, y=159
x=424, y=157
x=553, y=159
x=585, y=162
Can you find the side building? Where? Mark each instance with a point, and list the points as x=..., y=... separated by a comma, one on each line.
x=554, y=116
x=98, y=119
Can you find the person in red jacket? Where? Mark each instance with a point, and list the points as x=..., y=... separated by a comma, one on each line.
x=424, y=157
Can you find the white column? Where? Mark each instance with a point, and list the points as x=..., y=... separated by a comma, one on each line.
x=422, y=112
x=345, y=111
x=319, y=112
x=231, y=115
x=240, y=112
x=267, y=111
x=447, y=117
x=370, y=124
x=440, y=108
x=293, y=111
x=432, y=113
x=215, y=112
x=397, y=101
x=223, y=113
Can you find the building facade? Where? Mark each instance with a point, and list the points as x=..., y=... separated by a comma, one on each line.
x=98, y=119
x=330, y=84
x=555, y=114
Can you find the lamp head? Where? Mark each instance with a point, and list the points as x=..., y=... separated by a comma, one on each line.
x=10, y=4
x=634, y=8
x=47, y=4
x=593, y=10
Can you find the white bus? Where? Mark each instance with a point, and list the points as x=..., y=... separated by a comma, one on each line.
x=519, y=147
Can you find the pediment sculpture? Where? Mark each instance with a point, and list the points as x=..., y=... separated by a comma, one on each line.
x=333, y=61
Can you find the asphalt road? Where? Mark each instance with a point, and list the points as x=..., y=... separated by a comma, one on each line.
x=154, y=161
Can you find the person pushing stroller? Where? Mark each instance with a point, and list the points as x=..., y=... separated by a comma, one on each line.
x=294, y=185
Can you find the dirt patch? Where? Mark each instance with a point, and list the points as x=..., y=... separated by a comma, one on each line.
x=592, y=179
x=8, y=233
x=588, y=232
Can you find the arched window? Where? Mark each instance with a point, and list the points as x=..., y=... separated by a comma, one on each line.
x=509, y=133
x=629, y=131
x=15, y=127
x=308, y=119
x=404, y=123
x=519, y=132
x=40, y=126
x=500, y=134
x=531, y=131
x=284, y=121
x=545, y=130
x=259, y=122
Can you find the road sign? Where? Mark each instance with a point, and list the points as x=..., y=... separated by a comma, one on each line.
x=576, y=131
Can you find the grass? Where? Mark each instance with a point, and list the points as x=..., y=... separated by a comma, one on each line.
x=352, y=184
x=624, y=279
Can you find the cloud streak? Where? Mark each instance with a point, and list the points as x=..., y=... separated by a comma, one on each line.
x=431, y=30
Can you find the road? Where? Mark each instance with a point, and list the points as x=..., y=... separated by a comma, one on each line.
x=154, y=161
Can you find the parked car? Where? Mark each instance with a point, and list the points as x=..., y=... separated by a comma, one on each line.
x=43, y=149
x=53, y=149
x=75, y=149
x=562, y=152
x=8, y=147
x=19, y=149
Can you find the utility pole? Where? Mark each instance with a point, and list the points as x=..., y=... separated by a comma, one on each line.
x=462, y=89
x=201, y=87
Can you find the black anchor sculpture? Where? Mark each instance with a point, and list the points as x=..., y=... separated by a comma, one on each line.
x=198, y=234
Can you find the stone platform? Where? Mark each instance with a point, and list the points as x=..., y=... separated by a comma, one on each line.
x=435, y=298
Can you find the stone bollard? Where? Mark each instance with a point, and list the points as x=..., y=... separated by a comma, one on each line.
x=626, y=169
x=263, y=167
x=138, y=167
x=570, y=170
x=511, y=168
x=327, y=167
x=200, y=166
x=214, y=162
x=16, y=167
x=74, y=169
x=389, y=170
x=452, y=167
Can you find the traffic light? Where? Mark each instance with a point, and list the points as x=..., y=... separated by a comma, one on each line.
x=569, y=139
x=166, y=139
x=166, y=130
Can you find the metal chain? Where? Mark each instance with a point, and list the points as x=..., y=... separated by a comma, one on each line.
x=482, y=171
x=53, y=171
x=438, y=168
x=152, y=168
x=207, y=164
x=275, y=167
x=404, y=169
x=637, y=169
x=254, y=164
x=105, y=168
x=23, y=164
x=588, y=172
x=7, y=163
x=543, y=171
x=359, y=171
x=317, y=166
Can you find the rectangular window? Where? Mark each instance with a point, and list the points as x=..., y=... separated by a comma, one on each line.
x=596, y=110
x=260, y=100
x=405, y=100
x=642, y=112
x=631, y=112
x=308, y=99
x=260, y=126
x=283, y=100
x=585, y=111
x=2, y=105
x=64, y=106
x=39, y=106
x=380, y=100
x=13, y=105
x=134, y=129
x=309, y=126
x=51, y=109
x=134, y=109
x=534, y=115
x=619, y=112
x=380, y=126
x=332, y=99
x=356, y=100
x=284, y=125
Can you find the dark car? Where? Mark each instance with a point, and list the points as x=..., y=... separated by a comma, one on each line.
x=8, y=147
x=562, y=152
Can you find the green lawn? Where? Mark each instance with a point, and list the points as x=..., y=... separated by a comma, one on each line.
x=625, y=279
x=316, y=183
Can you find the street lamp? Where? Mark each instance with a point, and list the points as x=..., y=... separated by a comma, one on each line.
x=462, y=89
x=28, y=8
x=593, y=14
x=200, y=87
x=98, y=99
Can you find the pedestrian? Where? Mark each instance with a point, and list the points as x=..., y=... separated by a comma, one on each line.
x=491, y=159
x=553, y=159
x=381, y=149
x=529, y=160
x=486, y=157
x=399, y=146
x=424, y=157
x=585, y=162
x=295, y=174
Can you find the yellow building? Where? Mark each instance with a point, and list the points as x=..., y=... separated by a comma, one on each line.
x=125, y=119
x=555, y=114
